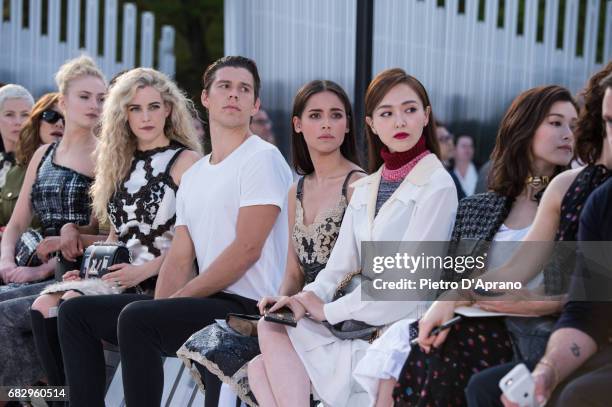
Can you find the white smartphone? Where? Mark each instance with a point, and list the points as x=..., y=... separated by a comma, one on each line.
x=518, y=386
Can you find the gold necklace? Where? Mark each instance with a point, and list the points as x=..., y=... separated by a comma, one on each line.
x=537, y=181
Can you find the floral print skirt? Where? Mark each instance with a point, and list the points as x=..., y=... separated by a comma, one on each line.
x=440, y=377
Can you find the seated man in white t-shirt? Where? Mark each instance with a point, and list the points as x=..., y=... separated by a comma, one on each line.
x=231, y=213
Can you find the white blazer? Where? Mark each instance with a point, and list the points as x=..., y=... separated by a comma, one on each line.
x=422, y=208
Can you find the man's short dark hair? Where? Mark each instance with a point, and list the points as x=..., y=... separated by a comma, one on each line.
x=234, y=61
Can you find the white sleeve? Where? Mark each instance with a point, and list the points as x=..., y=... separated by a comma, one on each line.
x=432, y=221
x=265, y=179
x=434, y=216
x=180, y=204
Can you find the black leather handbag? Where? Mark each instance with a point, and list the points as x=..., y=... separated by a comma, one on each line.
x=100, y=256
x=63, y=266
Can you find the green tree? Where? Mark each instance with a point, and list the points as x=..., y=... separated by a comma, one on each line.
x=199, y=36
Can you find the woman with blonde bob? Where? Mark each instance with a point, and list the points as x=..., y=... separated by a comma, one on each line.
x=147, y=142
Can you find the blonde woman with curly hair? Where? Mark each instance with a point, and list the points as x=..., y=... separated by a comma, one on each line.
x=147, y=142
x=45, y=125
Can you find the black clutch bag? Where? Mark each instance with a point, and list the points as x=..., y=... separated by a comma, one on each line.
x=25, y=250
x=100, y=256
x=282, y=316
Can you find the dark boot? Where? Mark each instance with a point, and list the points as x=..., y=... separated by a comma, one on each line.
x=48, y=347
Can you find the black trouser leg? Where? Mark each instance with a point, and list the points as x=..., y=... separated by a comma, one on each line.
x=149, y=330
x=483, y=388
x=83, y=323
x=589, y=385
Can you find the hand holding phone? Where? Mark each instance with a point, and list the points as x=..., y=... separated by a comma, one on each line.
x=266, y=303
x=519, y=387
x=283, y=316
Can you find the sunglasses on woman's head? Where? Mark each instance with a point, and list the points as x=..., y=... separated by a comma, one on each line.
x=51, y=116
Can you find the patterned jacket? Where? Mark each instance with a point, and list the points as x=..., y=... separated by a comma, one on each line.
x=478, y=219
x=480, y=216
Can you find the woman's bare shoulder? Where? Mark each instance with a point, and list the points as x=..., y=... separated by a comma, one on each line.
x=38, y=154
x=561, y=183
x=356, y=175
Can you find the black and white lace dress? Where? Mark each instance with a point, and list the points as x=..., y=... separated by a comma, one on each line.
x=142, y=213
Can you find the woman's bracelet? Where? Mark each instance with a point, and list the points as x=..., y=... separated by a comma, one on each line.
x=553, y=368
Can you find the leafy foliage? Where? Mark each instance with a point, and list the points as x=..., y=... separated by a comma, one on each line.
x=199, y=36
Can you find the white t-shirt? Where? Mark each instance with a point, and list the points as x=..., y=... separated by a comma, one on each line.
x=499, y=254
x=208, y=201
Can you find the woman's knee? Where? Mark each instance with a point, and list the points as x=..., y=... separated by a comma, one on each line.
x=269, y=333
x=44, y=303
x=71, y=294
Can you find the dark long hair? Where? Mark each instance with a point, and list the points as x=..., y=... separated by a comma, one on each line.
x=379, y=87
x=511, y=158
x=299, y=150
x=590, y=132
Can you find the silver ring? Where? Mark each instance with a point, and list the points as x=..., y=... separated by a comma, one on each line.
x=117, y=284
